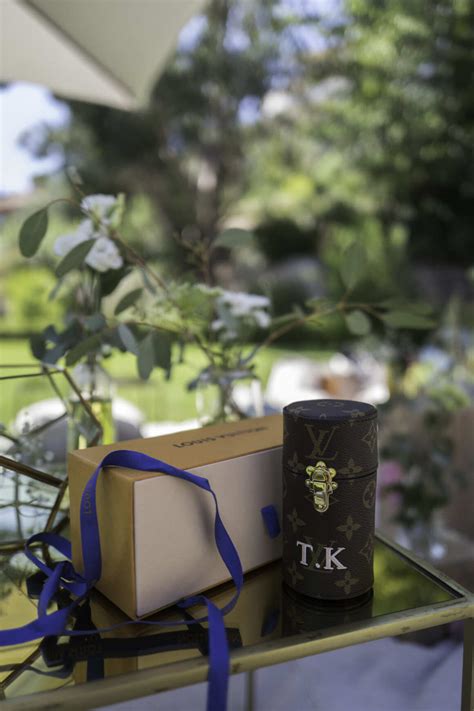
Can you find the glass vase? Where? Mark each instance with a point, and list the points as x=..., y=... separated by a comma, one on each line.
x=96, y=388
x=228, y=396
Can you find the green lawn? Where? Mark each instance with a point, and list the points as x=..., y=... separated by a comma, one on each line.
x=157, y=398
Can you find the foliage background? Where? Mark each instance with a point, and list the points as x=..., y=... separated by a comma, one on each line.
x=311, y=124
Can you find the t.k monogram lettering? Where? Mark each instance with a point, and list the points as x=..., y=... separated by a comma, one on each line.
x=331, y=557
x=321, y=440
x=304, y=550
x=331, y=561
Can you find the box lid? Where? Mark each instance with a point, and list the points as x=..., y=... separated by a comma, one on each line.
x=194, y=448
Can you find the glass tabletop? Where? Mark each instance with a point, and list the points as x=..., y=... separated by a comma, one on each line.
x=266, y=612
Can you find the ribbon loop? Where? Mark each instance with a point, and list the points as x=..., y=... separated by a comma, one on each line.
x=63, y=575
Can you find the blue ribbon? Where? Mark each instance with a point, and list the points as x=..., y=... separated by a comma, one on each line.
x=63, y=575
x=271, y=521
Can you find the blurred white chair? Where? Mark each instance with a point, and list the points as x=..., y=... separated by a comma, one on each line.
x=300, y=378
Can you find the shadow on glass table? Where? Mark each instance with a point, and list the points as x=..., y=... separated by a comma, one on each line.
x=270, y=624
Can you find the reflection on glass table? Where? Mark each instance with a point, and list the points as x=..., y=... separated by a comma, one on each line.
x=268, y=625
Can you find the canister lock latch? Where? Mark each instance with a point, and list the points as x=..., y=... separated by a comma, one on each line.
x=321, y=484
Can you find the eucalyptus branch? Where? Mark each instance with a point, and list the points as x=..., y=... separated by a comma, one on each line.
x=363, y=307
x=300, y=321
x=135, y=257
x=153, y=326
x=186, y=334
x=62, y=199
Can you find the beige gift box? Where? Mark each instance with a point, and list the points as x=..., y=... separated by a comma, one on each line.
x=157, y=531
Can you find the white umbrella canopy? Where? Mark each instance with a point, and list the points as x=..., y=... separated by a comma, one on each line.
x=101, y=51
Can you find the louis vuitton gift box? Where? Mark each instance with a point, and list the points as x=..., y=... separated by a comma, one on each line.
x=157, y=531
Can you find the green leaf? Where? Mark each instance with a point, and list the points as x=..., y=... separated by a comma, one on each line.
x=233, y=237
x=32, y=232
x=50, y=334
x=406, y=319
x=128, y=300
x=83, y=348
x=148, y=284
x=52, y=355
x=110, y=279
x=127, y=338
x=75, y=258
x=319, y=303
x=95, y=323
x=146, y=356
x=118, y=211
x=298, y=311
x=162, y=348
x=353, y=265
x=55, y=290
x=38, y=346
x=358, y=323
x=417, y=307
x=282, y=320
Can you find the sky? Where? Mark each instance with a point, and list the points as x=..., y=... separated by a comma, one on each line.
x=23, y=106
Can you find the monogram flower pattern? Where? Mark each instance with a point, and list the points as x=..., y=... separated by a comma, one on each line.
x=295, y=520
x=368, y=497
x=295, y=465
x=347, y=582
x=349, y=527
x=354, y=413
x=370, y=437
x=294, y=573
x=296, y=411
x=367, y=549
x=350, y=468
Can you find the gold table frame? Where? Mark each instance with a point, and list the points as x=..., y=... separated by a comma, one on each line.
x=150, y=681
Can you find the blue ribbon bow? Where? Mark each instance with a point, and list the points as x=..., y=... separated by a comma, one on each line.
x=63, y=575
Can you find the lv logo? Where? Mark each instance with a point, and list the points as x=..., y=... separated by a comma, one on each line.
x=321, y=440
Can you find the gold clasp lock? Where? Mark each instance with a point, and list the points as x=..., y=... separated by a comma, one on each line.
x=321, y=485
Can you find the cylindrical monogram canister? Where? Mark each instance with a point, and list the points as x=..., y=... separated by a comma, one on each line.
x=329, y=482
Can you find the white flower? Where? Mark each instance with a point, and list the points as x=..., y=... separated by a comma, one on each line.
x=65, y=243
x=262, y=318
x=238, y=311
x=217, y=324
x=102, y=207
x=242, y=304
x=226, y=333
x=104, y=254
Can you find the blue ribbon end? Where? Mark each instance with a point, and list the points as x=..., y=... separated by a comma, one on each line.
x=271, y=521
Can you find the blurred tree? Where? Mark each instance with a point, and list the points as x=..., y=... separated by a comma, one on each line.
x=399, y=110
x=280, y=239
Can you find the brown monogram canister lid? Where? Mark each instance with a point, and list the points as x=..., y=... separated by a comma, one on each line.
x=329, y=483
x=343, y=433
